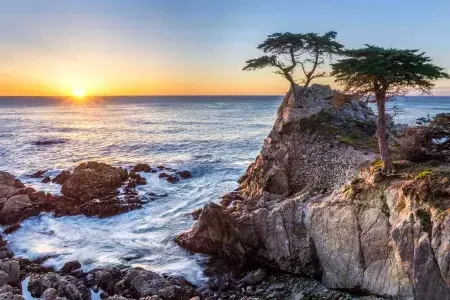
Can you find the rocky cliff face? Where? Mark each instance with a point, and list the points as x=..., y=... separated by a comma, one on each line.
x=312, y=205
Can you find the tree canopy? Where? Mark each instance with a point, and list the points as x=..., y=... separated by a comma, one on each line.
x=390, y=71
x=285, y=51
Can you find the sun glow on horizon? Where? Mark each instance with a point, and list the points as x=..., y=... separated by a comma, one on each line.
x=78, y=93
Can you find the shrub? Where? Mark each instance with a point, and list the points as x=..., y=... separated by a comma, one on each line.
x=415, y=144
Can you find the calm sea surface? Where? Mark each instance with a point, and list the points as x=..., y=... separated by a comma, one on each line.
x=215, y=138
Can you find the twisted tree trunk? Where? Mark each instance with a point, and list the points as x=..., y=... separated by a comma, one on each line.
x=382, y=135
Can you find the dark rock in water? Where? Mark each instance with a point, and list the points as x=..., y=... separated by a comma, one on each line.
x=105, y=279
x=38, y=174
x=154, y=171
x=172, y=179
x=45, y=142
x=70, y=266
x=92, y=180
x=163, y=175
x=184, y=174
x=196, y=213
x=131, y=184
x=136, y=179
x=141, y=167
x=141, y=181
x=46, y=179
x=11, y=228
x=62, y=177
x=66, y=286
x=92, y=190
x=161, y=167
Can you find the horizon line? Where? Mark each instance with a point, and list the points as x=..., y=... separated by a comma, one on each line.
x=201, y=95
x=146, y=95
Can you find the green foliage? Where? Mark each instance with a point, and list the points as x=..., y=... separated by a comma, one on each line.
x=388, y=72
x=424, y=174
x=284, y=51
x=377, y=164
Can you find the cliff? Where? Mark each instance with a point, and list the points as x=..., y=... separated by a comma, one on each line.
x=315, y=203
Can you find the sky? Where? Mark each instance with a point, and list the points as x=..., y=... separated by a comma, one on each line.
x=191, y=47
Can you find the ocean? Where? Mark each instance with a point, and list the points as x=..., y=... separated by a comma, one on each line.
x=215, y=138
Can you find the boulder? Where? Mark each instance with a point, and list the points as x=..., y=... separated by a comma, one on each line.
x=15, y=208
x=50, y=294
x=172, y=179
x=7, y=191
x=141, y=167
x=66, y=286
x=70, y=266
x=38, y=174
x=105, y=279
x=143, y=283
x=93, y=180
x=184, y=174
x=46, y=179
x=9, y=272
x=62, y=177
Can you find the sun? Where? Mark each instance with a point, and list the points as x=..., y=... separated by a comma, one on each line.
x=78, y=93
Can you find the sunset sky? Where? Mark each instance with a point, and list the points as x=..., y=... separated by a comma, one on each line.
x=168, y=47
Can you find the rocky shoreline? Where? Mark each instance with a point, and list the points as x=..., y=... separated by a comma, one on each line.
x=112, y=283
x=314, y=217
x=316, y=203
x=92, y=189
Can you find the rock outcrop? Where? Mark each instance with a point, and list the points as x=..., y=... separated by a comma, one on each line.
x=311, y=204
x=92, y=189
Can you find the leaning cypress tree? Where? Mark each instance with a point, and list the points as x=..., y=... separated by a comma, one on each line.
x=381, y=74
x=286, y=51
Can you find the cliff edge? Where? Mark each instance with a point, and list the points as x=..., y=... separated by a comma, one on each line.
x=315, y=203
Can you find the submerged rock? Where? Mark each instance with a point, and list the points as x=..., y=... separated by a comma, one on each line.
x=45, y=142
x=184, y=174
x=312, y=205
x=38, y=174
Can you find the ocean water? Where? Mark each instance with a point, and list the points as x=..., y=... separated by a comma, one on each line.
x=216, y=138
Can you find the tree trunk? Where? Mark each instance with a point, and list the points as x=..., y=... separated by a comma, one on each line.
x=295, y=92
x=307, y=82
x=382, y=136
